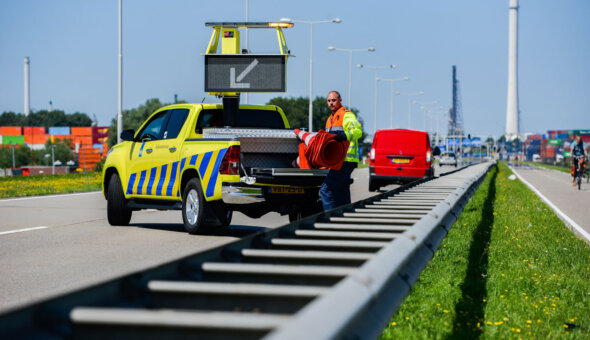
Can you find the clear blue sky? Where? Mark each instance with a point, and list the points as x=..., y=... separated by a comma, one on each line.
x=74, y=49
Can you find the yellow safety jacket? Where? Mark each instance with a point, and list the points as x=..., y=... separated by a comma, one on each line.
x=345, y=121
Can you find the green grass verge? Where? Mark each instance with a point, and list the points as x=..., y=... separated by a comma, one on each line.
x=550, y=166
x=19, y=186
x=509, y=268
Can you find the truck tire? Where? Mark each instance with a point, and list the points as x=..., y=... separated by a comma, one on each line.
x=117, y=211
x=225, y=220
x=373, y=185
x=193, y=206
x=306, y=210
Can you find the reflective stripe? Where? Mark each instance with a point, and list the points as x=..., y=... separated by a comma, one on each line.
x=180, y=173
x=172, y=179
x=130, y=184
x=213, y=180
x=194, y=159
x=164, y=169
x=140, y=183
x=204, y=164
x=336, y=128
x=141, y=149
x=151, y=181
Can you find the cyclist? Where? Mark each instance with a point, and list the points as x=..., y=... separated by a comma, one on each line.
x=578, y=150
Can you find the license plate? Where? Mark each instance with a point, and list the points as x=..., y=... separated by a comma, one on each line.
x=286, y=190
x=400, y=160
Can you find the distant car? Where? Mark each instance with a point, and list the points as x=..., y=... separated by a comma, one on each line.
x=399, y=156
x=448, y=158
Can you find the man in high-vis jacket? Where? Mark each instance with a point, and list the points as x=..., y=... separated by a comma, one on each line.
x=335, y=190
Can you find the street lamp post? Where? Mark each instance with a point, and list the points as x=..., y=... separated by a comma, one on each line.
x=391, y=98
x=120, y=101
x=376, y=68
x=332, y=48
x=409, y=94
x=311, y=23
x=423, y=107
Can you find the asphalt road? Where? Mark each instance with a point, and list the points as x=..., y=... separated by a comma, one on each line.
x=557, y=187
x=53, y=244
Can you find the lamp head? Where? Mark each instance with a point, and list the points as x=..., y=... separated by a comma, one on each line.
x=371, y=49
x=331, y=48
x=336, y=20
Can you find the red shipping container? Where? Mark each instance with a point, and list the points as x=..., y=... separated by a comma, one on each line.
x=33, y=130
x=81, y=131
x=100, y=134
x=11, y=131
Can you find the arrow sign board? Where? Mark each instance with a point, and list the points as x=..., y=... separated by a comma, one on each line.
x=245, y=73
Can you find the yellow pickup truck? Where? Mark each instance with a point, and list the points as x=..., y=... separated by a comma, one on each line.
x=195, y=158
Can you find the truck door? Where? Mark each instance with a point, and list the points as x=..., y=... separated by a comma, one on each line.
x=155, y=166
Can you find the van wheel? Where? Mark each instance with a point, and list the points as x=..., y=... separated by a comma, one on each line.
x=117, y=211
x=373, y=185
x=193, y=206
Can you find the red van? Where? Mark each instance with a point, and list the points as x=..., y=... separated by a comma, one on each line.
x=399, y=156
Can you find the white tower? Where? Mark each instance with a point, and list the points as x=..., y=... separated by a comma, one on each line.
x=27, y=95
x=512, y=102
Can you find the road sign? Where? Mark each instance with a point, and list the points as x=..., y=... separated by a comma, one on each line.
x=245, y=73
x=578, y=132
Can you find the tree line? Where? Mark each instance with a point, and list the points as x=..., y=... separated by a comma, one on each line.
x=45, y=118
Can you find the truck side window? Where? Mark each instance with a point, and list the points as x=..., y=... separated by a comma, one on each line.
x=175, y=123
x=153, y=129
x=209, y=119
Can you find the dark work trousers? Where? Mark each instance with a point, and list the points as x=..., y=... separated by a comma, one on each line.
x=336, y=188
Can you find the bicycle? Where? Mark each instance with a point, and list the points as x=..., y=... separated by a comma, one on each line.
x=579, y=171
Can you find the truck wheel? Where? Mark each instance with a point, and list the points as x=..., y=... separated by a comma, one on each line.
x=225, y=219
x=117, y=211
x=373, y=185
x=295, y=215
x=193, y=206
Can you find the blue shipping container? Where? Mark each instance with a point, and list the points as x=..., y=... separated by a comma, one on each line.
x=59, y=130
x=562, y=136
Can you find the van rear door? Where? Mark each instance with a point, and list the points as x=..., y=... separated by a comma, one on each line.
x=401, y=153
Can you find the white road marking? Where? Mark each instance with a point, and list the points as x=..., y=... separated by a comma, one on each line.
x=46, y=196
x=22, y=230
x=561, y=214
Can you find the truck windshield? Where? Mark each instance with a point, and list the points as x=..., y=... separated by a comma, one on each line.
x=246, y=118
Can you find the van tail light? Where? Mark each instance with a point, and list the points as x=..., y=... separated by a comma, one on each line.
x=428, y=155
x=372, y=155
x=230, y=165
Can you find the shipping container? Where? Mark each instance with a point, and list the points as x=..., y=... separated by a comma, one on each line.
x=11, y=131
x=100, y=134
x=59, y=130
x=562, y=136
x=81, y=131
x=36, y=139
x=82, y=141
x=550, y=151
x=16, y=140
x=34, y=130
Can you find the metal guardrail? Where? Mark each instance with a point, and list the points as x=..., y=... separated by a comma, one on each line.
x=338, y=274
